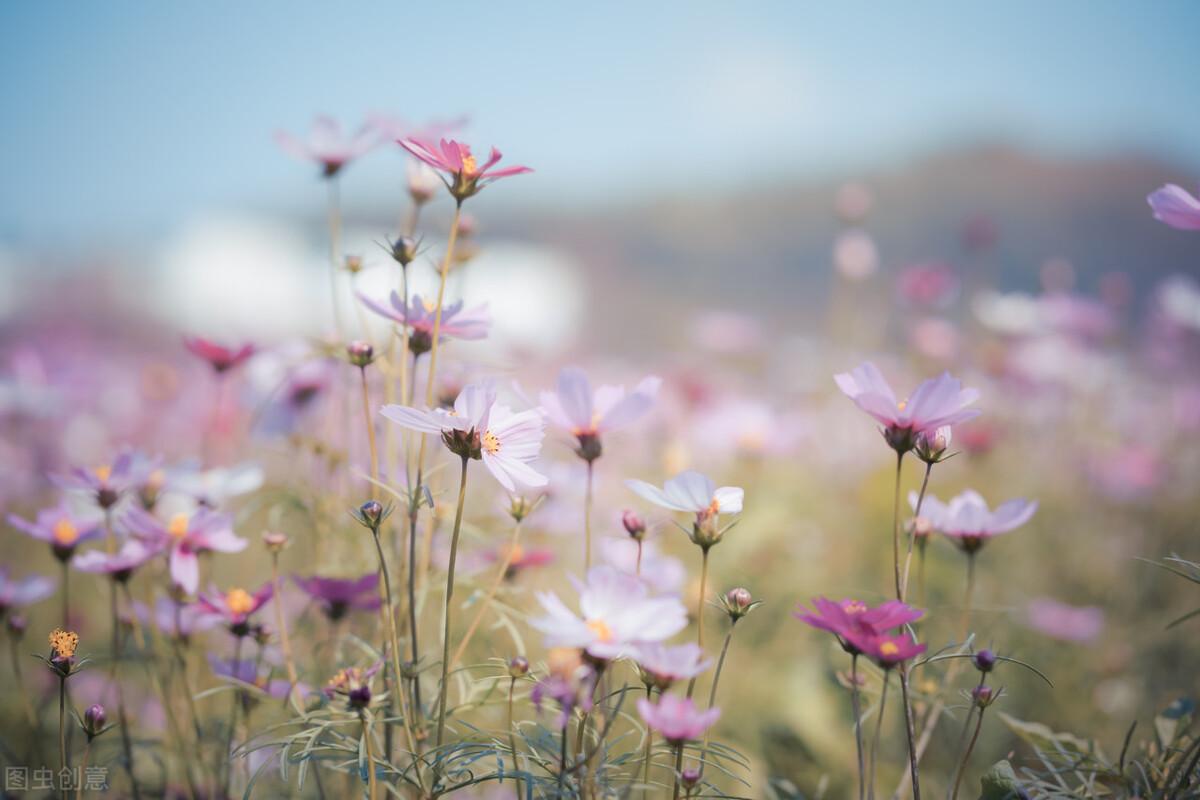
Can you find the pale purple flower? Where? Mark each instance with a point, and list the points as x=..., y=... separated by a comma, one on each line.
x=479, y=427
x=677, y=719
x=420, y=316
x=969, y=522
x=330, y=146
x=217, y=486
x=587, y=415
x=1066, y=622
x=119, y=565
x=616, y=615
x=107, y=483
x=237, y=605
x=178, y=620
x=935, y=403
x=184, y=537
x=339, y=596
x=21, y=592
x=249, y=673
x=60, y=528
x=1174, y=206
x=664, y=665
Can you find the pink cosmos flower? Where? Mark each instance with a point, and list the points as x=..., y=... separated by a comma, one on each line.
x=21, y=592
x=1066, y=622
x=693, y=492
x=328, y=145
x=967, y=520
x=455, y=159
x=219, y=357
x=184, y=537
x=338, y=596
x=58, y=527
x=677, y=719
x=584, y=415
x=663, y=665
x=1174, y=206
x=480, y=428
x=119, y=565
x=420, y=315
x=887, y=650
x=854, y=623
x=236, y=605
x=936, y=402
x=617, y=614
x=107, y=483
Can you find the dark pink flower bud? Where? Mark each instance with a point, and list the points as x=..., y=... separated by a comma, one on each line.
x=360, y=353
x=518, y=666
x=984, y=660
x=689, y=778
x=93, y=720
x=635, y=526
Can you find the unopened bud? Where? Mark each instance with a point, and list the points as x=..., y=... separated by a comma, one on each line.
x=404, y=250
x=360, y=353
x=738, y=603
x=635, y=526
x=520, y=507
x=518, y=666
x=354, y=264
x=931, y=446
x=93, y=720
x=689, y=778
x=984, y=660
x=359, y=697
x=274, y=540
x=984, y=695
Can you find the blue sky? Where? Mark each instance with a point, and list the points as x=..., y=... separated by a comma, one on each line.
x=129, y=118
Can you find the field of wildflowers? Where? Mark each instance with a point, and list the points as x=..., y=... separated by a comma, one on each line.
x=962, y=564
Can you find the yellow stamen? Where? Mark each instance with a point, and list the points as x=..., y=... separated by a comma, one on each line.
x=889, y=648
x=239, y=601
x=902, y=405
x=63, y=643
x=103, y=472
x=856, y=607
x=65, y=533
x=178, y=526
x=491, y=443
x=468, y=165
x=601, y=629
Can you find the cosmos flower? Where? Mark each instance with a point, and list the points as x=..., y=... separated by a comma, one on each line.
x=58, y=527
x=107, y=483
x=248, y=672
x=1068, y=623
x=184, y=537
x=455, y=159
x=664, y=574
x=328, y=145
x=935, y=403
x=887, y=650
x=119, y=565
x=354, y=684
x=617, y=614
x=693, y=492
x=339, y=596
x=662, y=665
x=421, y=315
x=480, y=428
x=21, y=592
x=854, y=623
x=178, y=620
x=677, y=719
x=520, y=558
x=221, y=358
x=217, y=486
x=967, y=520
x=586, y=416
x=235, y=606
x=1176, y=207
x=570, y=682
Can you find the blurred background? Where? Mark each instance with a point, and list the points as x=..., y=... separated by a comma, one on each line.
x=743, y=198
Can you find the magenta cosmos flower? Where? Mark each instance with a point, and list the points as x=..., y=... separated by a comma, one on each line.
x=21, y=592
x=854, y=623
x=455, y=160
x=586, y=416
x=184, y=537
x=663, y=665
x=887, y=649
x=235, y=606
x=677, y=719
x=339, y=596
x=967, y=520
x=59, y=528
x=219, y=357
x=937, y=402
x=617, y=614
x=480, y=428
x=120, y=565
x=421, y=315
x=330, y=146
x=1174, y=206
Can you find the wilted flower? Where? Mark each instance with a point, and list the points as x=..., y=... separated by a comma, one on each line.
x=677, y=719
x=236, y=605
x=967, y=521
x=60, y=528
x=466, y=177
x=937, y=402
x=328, y=145
x=1176, y=207
x=420, y=316
x=338, y=596
x=480, y=428
x=184, y=537
x=219, y=357
x=617, y=614
x=586, y=416
x=119, y=565
x=694, y=492
x=662, y=665
x=21, y=592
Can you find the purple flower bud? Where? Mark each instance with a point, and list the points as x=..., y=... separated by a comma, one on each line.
x=635, y=526
x=983, y=695
x=372, y=512
x=984, y=660
x=689, y=778
x=93, y=720
x=518, y=666
x=404, y=250
x=359, y=697
x=360, y=353
x=274, y=540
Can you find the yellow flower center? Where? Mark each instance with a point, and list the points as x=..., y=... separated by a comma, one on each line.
x=491, y=443
x=178, y=526
x=855, y=607
x=889, y=648
x=103, y=472
x=601, y=629
x=902, y=405
x=239, y=601
x=429, y=307
x=63, y=643
x=65, y=533
x=468, y=165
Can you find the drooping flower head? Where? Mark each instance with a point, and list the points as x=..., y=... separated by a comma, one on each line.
x=1176, y=207
x=855, y=624
x=586, y=416
x=677, y=719
x=662, y=665
x=693, y=492
x=221, y=358
x=120, y=565
x=967, y=521
x=185, y=536
x=420, y=316
x=235, y=606
x=480, y=428
x=617, y=614
x=935, y=403
x=465, y=177
x=21, y=592
x=330, y=146
x=60, y=528
x=339, y=596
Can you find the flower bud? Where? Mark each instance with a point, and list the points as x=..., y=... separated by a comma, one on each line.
x=738, y=603
x=372, y=513
x=93, y=720
x=359, y=697
x=423, y=182
x=360, y=353
x=635, y=526
x=984, y=661
x=689, y=778
x=404, y=250
x=984, y=695
x=274, y=540
x=520, y=507
x=931, y=446
x=518, y=666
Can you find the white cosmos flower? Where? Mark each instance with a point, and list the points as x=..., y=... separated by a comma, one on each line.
x=691, y=491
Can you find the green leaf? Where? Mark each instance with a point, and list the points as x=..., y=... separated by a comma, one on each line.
x=1000, y=783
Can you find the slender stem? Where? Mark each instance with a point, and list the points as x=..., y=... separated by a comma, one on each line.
x=968, y=596
x=961, y=744
x=678, y=769
x=505, y=564
x=414, y=647
x=66, y=595
x=512, y=739
x=855, y=705
x=447, y=259
x=87, y=751
x=335, y=247
x=562, y=763
x=908, y=729
x=638, y=568
x=912, y=535
x=896, y=524
x=901, y=586
x=874, y=758
x=649, y=757
x=587, y=518
x=366, y=403
x=921, y=596
x=233, y=709
x=389, y=620
x=962, y=768
x=62, y=722
x=712, y=691
x=366, y=733
x=458, y=515
x=123, y=719
x=700, y=611
x=285, y=641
